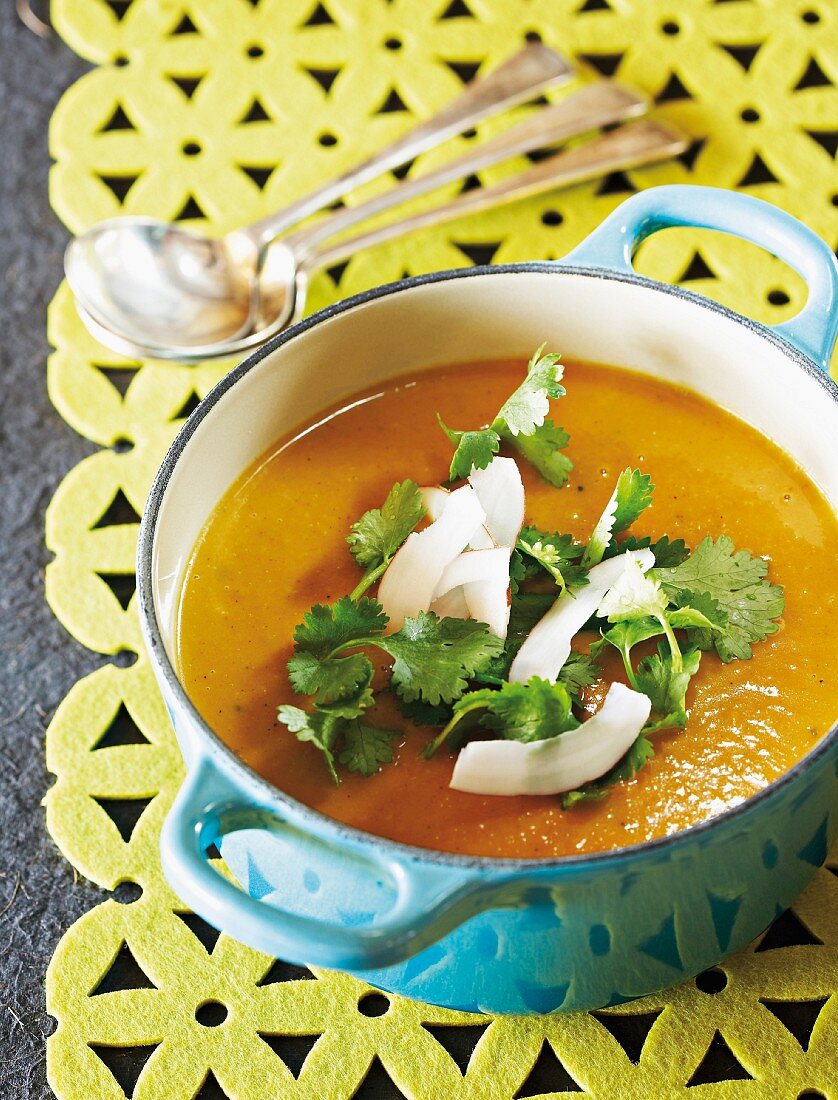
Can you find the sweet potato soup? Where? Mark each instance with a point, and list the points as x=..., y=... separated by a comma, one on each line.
x=277, y=544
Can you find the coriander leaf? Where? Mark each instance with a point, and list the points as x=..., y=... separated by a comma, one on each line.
x=632, y=495
x=351, y=707
x=521, y=568
x=544, y=448
x=433, y=657
x=533, y=711
x=322, y=730
x=634, y=596
x=688, y=602
x=473, y=450
x=578, y=672
x=378, y=534
x=667, y=553
x=526, y=409
x=626, y=634
x=329, y=679
x=521, y=415
x=555, y=553
x=637, y=596
x=366, y=748
x=667, y=686
x=736, y=581
x=624, y=769
x=544, y=555
x=327, y=628
x=425, y=714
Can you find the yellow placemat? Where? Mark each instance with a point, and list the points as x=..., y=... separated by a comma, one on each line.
x=225, y=109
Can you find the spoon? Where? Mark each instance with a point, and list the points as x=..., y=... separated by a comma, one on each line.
x=288, y=272
x=152, y=282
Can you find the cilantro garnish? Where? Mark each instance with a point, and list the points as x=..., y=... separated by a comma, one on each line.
x=667, y=552
x=544, y=448
x=322, y=730
x=451, y=673
x=735, y=580
x=666, y=686
x=556, y=554
x=377, y=535
x=632, y=495
x=366, y=748
x=517, y=712
x=521, y=421
x=433, y=660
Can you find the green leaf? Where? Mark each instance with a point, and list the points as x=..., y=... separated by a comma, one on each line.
x=557, y=554
x=668, y=553
x=378, y=534
x=534, y=711
x=425, y=714
x=434, y=658
x=473, y=450
x=632, y=495
x=635, y=595
x=366, y=748
x=579, y=671
x=329, y=679
x=326, y=628
x=528, y=406
x=521, y=417
x=735, y=580
x=322, y=730
x=667, y=686
x=639, y=753
x=626, y=634
x=544, y=448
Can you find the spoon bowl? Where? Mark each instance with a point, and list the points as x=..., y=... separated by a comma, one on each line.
x=161, y=286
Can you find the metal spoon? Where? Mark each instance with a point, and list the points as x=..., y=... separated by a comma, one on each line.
x=288, y=272
x=152, y=282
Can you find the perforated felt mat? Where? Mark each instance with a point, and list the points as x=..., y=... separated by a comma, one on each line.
x=221, y=110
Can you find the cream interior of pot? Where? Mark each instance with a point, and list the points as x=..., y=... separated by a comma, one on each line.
x=600, y=319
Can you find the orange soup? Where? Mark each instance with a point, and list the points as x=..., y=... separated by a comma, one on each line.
x=276, y=544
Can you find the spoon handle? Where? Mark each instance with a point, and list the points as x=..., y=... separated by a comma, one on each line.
x=592, y=106
x=630, y=146
x=527, y=73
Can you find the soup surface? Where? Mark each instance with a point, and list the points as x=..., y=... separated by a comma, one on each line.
x=276, y=544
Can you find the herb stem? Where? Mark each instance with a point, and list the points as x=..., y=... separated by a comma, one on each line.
x=370, y=577
x=677, y=659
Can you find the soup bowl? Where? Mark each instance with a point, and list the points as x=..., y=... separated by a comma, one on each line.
x=485, y=934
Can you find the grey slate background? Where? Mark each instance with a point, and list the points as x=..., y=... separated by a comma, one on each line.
x=39, y=662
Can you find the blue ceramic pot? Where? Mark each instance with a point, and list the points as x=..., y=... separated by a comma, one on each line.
x=476, y=933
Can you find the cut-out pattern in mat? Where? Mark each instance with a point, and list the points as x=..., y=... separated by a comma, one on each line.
x=222, y=110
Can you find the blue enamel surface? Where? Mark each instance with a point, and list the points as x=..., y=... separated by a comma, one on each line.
x=613, y=244
x=513, y=936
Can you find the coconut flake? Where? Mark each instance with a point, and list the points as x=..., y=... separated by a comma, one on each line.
x=560, y=763
x=483, y=576
x=409, y=584
x=451, y=606
x=500, y=491
x=435, y=498
x=548, y=645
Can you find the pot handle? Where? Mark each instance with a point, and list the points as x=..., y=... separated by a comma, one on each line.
x=430, y=902
x=613, y=244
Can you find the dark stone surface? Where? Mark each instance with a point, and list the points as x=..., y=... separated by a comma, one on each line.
x=39, y=896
